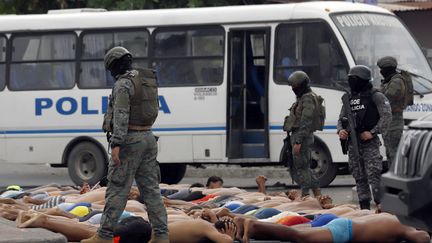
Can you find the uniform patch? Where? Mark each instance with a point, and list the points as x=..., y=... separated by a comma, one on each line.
x=122, y=101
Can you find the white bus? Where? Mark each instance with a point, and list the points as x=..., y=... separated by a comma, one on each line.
x=222, y=74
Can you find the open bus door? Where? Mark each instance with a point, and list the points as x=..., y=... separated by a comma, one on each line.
x=247, y=111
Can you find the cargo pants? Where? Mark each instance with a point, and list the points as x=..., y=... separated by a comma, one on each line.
x=366, y=169
x=138, y=161
x=301, y=171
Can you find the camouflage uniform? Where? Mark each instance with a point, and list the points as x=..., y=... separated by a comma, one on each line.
x=393, y=88
x=138, y=151
x=367, y=169
x=301, y=117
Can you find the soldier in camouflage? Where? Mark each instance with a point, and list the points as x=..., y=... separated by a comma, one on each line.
x=372, y=113
x=133, y=145
x=393, y=87
x=299, y=123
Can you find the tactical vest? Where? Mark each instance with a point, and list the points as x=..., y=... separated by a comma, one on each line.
x=365, y=110
x=293, y=120
x=145, y=102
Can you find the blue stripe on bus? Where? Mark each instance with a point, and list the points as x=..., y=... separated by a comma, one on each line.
x=173, y=129
x=100, y=130
x=325, y=127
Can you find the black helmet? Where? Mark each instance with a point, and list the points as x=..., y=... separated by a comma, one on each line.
x=298, y=78
x=360, y=71
x=387, y=62
x=113, y=54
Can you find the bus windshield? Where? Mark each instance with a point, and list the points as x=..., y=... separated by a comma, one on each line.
x=372, y=36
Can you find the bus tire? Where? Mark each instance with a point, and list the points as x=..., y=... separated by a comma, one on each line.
x=321, y=163
x=172, y=173
x=86, y=163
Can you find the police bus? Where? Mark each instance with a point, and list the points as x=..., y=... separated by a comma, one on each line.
x=222, y=75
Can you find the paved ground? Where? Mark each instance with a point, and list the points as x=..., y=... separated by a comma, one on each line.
x=33, y=175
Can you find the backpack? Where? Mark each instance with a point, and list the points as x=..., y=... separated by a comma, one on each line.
x=409, y=88
x=318, y=122
x=145, y=103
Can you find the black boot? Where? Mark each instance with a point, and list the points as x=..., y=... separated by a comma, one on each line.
x=365, y=204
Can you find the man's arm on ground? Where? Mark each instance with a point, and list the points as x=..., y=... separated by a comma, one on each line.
x=214, y=235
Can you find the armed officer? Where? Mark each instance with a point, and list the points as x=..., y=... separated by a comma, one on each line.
x=393, y=87
x=134, y=110
x=372, y=114
x=300, y=124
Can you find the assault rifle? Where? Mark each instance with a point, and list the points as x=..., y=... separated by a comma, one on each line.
x=287, y=156
x=352, y=125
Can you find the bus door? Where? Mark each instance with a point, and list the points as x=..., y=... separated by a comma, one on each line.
x=248, y=68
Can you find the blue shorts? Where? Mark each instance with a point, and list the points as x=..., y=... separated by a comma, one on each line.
x=323, y=219
x=341, y=230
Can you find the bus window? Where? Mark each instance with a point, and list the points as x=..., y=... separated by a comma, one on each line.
x=2, y=62
x=312, y=48
x=95, y=45
x=42, y=61
x=188, y=56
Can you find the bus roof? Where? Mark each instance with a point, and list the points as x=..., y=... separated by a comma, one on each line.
x=184, y=16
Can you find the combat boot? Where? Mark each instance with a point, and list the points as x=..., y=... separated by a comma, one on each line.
x=316, y=192
x=96, y=239
x=159, y=240
x=364, y=204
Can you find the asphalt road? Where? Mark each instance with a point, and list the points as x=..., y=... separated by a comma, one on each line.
x=31, y=175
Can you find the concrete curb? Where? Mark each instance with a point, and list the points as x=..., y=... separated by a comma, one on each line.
x=11, y=234
x=235, y=171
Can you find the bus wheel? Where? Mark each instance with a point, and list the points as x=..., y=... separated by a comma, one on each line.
x=86, y=163
x=172, y=173
x=322, y=165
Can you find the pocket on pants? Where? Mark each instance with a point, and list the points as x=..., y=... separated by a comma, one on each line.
x=117, y=173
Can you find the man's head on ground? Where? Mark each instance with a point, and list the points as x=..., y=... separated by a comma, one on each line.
x=133, y=230
x=214, y=182
x=134, y=194
x=196, y=184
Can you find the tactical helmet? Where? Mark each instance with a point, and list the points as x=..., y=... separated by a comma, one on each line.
x=298, y=78
x=360, y=71
x=387, y=61
x=113, y=54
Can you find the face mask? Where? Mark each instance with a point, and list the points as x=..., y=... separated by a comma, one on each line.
x=299, y=90
x=120, y=66
x=387, y=72
x=356, y=84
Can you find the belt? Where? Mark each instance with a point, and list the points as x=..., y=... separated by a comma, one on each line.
x=139, y=128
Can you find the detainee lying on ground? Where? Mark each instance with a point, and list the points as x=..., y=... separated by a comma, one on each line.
x=370, y=228
x=183, y=231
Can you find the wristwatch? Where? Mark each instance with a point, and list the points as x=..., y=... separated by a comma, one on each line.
x=373, y=132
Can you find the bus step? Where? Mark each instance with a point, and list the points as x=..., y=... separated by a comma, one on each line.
x=253, y=136
x=253, y=150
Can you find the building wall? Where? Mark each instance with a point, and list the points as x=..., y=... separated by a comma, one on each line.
x=418, y=22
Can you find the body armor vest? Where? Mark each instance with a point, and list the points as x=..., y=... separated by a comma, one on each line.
x=365, y=110
x=145, y=102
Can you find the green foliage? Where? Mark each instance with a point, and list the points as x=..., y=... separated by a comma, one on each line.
x=42, y=6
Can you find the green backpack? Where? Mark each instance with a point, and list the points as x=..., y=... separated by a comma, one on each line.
x=409, y=88
x=318, y=122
